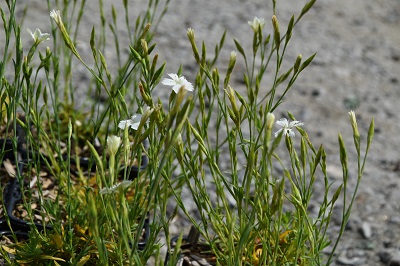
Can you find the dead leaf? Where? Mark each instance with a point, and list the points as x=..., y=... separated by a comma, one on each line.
x=9, y=250
x=9, y=168
x=83, y=260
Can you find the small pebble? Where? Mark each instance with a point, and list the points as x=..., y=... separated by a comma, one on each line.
x=395, y=258
x=384, y=257
x=347, y=261
x=366, y=230
x=390, y=257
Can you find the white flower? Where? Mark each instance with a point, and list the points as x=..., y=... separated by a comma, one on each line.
x=122, y=185
x=38, y=36
x=132, y=123
x=55, y=14
x=177, y=82
x=113, y=143
x=257, y=23
x=287, y=127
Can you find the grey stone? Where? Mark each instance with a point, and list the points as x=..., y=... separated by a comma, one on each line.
x=395, y=258
x=390, y=257
x=350, y=261
x=366, y=230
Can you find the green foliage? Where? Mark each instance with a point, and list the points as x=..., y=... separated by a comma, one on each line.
x=252, y=195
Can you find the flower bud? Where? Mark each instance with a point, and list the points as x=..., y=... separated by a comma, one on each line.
x=270, y=120
x=144, y=46
x=113, y=143
x=232, y=98
x=353, y=121
x=231, y=65
x=232, y=61
x=277, y=35
x=146, y=97
x=297, y=63
x=190, y=34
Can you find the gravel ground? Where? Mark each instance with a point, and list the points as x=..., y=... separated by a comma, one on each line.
x=357, y=67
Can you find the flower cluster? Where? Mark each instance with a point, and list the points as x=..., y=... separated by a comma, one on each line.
x=176, y=82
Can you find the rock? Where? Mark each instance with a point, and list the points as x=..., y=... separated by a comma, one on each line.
x=366, y=230
x=352, y=256
x=395, y=260
x=390, y=257
x=384, y=257
x=350, y=261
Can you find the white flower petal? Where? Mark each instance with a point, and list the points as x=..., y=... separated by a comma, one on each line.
x=56, y=15
x=133, y=122
x=38, y=36
x=256, y=24
x=176, y=88
x=287, y=127
x=295, y=124
x=122, y=124
x=173, y=76
x=168, y=82
x=105, y=190
x=135, y=126
x=188, y=86
x=122, y=185
x=278, y=132
x=283, y=122
x=177, y=82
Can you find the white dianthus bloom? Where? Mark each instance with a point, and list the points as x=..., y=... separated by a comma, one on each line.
x=287, y=127
x=256, y=24
x=133, y=123
x=55, y=14
x=177, y=82
x=38, y=36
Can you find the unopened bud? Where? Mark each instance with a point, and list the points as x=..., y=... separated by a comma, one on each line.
x=297, y=63
x=113, y=143
x=232, y=61
x=146, y=97
x=144, y=46
x=232, y=98
x=191, y=36
x=353, y=121
x=277, y=35
x=270, y=120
